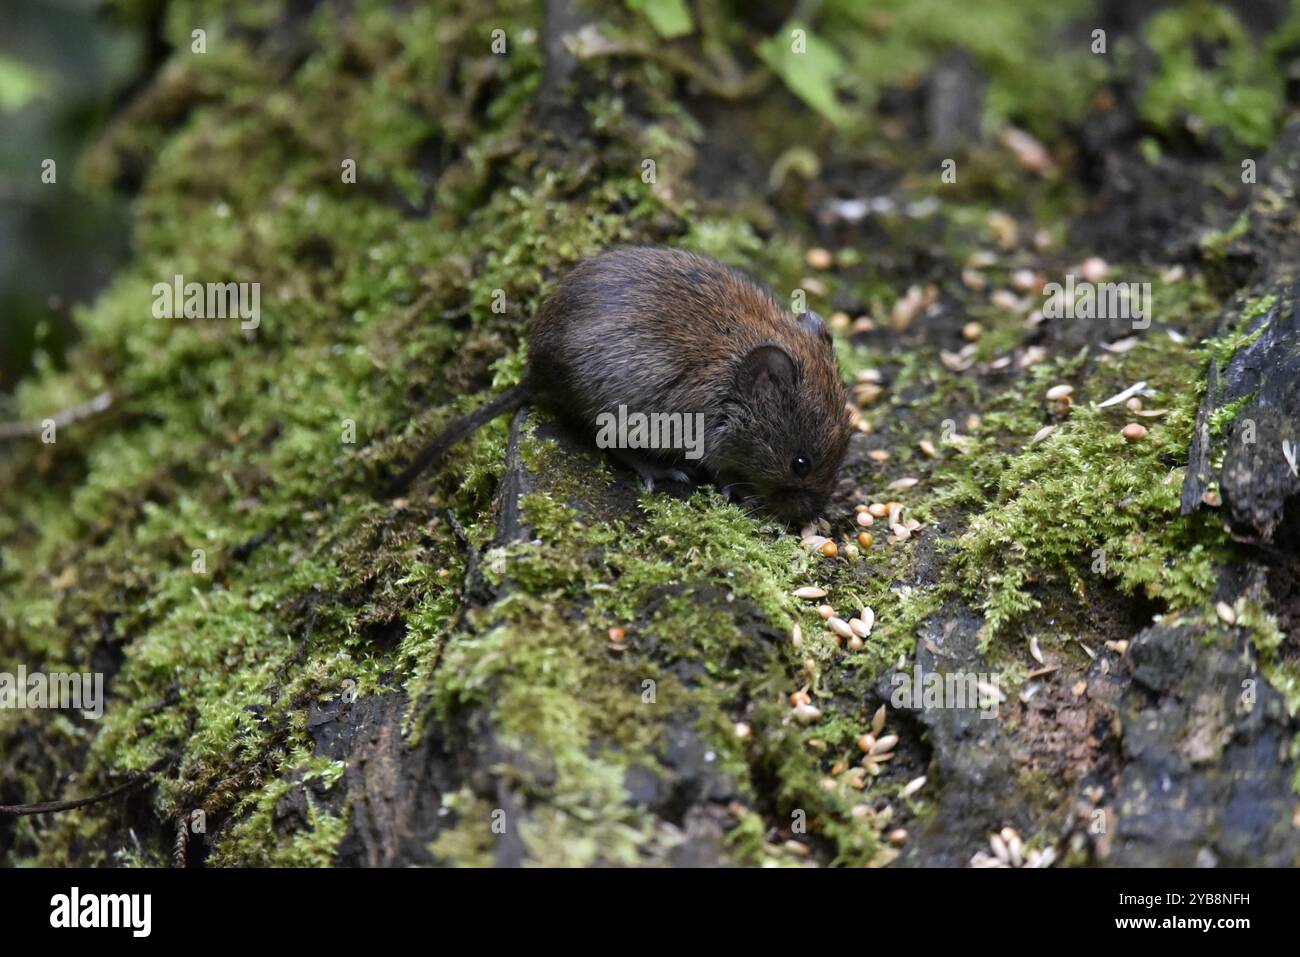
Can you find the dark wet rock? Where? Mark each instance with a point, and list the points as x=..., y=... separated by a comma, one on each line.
x=1206, y=776
x=1258, y=482
x=614, y=499
x=971, y=773
x=394, y=788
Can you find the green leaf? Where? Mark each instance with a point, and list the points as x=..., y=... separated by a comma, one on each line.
x=670, y=18
x=19, y=85
x=809, y=66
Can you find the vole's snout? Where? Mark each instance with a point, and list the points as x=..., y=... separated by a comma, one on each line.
x=797, y=506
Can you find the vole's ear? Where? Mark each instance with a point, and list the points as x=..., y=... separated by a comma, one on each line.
x=813, y=323
x=765, y=368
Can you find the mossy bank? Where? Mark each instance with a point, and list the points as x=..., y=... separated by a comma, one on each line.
x=590, y=674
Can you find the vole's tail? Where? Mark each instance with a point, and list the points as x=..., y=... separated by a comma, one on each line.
x=507, y=401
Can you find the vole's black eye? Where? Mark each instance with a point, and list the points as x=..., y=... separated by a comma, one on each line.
x=801, y=465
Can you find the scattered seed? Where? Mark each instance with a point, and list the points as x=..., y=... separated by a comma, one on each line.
x=1042, y=433
x=898, y=837
x=878, y=720
x=1005, y=230
x=1059, y=392
x=1133, y=431
x=742, y=730
x=880, y=456
x=855, y=644
x=866, y=393
x=830, y=549
x=911, y=787
x=818, y=258
x=1119, y=647
x=1008, y=301
x=868, y=619
x=1032, y=155
x=807, y=713
x=972, y=331
x=1026, y=280
x=809, y=591
x=865, y=742
x=864, y=519
x=973, y=279
x=877, y=510
x=1094, y=269
x=796, y=637
x=1014, y=846
x=955, y=361
x=1134, y=404
x=826, y=611
x=901, y=485
x=1124, y=396
x=883, y=745
x=928, y=449
x=907, y=308
x=1035, y=652
x=1000, y=850
x=1032, y=356
x=840, y=627
x=900, y=532
x=1227, y=614
x=865, y=539
x=800, y=697
x=616, y=635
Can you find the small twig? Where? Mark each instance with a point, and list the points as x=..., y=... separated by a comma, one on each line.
x=53, y=807
x=19, y=430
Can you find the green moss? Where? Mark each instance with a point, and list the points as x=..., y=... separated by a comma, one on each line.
x=398, y=322
x=1240, y=91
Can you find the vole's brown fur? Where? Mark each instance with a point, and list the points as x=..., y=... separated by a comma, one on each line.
x=665, y=331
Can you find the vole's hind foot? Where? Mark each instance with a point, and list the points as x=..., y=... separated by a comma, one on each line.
x=651, y=470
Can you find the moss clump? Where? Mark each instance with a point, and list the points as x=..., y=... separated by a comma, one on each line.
x=1238, y=93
